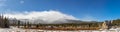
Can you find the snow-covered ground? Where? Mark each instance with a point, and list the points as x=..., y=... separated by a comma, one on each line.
x=14, y=29
x=23, y=30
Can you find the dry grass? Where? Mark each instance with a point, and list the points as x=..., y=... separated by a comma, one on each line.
x=62, y=28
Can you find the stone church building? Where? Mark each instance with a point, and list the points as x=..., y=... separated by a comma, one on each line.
x=106, y=25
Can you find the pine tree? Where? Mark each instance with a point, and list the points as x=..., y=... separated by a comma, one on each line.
x=6, y=23
x=18, y=24
x=28, y=25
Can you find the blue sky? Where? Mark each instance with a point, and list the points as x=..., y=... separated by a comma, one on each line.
x=94, y=9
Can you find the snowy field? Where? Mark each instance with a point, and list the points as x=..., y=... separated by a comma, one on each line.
x=31, y=30
x=13, y=29
x=22, y=30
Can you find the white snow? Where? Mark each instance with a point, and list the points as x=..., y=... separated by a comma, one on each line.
x=15, y=29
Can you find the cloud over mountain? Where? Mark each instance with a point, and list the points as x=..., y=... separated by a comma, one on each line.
x=50, y=16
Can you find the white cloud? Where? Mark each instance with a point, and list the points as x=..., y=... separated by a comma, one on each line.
x=49, y=16
x=88, y=18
